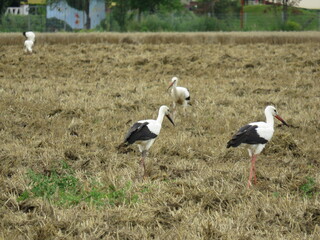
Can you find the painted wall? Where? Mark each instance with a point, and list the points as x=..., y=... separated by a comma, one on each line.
x=75, y=18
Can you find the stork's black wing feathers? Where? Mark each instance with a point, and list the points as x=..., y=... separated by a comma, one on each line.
x=188, y=98
x=247, y=134
x=139, y=132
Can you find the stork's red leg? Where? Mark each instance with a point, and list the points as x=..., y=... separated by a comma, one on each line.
x=254, y=158
x=251, y=173
x=143, y=167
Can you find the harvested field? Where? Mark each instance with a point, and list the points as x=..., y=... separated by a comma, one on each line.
x=168, y=37
x=65, y=108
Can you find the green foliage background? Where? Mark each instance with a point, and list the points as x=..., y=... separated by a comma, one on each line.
x=169, y=16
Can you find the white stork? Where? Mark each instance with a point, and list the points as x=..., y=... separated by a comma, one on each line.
x=180, y=95
x=30, y=36
x=28, y=44
x=144, y=133
x=256, y=134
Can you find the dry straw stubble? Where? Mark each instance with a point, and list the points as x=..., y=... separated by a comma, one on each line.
x=74, y=101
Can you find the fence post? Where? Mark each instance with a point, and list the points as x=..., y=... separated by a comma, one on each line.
x=241, y=14
x=318, y=19
x=29, y=27
x=65, y=19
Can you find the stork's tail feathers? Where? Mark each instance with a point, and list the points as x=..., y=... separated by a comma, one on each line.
x=229, y=144
x=234, y=142
x=122, y=145
x=123, y=148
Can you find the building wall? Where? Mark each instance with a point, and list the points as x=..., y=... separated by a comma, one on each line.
x=77, y=19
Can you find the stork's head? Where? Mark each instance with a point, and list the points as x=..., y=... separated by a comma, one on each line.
x=273, y=111
x=174, y=81
x=166, y=111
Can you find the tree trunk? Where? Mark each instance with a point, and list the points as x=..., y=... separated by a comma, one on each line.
x=87, y=10
x=285, y=11
x=211, y=8
x=139, y=15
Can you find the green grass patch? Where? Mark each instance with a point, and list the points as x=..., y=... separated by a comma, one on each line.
x=65, y=189
x=308, y=188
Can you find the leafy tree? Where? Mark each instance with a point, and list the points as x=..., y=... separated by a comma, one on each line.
x=224, y=7
x=220, y=8
x=8, y=3
x=120, y=13
x=153, y=5
x=285, y=4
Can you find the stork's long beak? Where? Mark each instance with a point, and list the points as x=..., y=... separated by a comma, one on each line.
x=170, y=85
x=280, y=119
x=170, y=119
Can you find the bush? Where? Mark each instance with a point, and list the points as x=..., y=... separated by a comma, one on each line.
x=54, y=24
x=292, y=26
x=22, y=23
x=185, y=22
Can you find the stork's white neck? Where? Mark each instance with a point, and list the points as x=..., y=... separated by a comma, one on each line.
x=269, y=118
x=160, y=117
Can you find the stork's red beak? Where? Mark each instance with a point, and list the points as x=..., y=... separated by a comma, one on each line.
x=170, y=85
x=170, y=119
x=280, y=119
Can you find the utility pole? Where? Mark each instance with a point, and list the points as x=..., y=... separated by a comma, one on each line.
x=241, y=14
x=285, y=11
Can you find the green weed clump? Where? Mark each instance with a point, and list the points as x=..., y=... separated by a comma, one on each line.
x=308, y=188
x=64, y=189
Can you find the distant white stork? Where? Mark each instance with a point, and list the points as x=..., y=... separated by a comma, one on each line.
x=28, y=44
x=256, y=134
x=180, y=95
x=144, y=133
x=30, y=36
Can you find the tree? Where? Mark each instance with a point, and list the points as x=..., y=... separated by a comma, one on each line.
x=153, y=5
x=220, y=8
x=224, y=7
x=8, y=3
x=285, y=4
x=120, y=11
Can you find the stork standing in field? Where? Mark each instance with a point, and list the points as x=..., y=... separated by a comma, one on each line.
x=256, y=134
x=180, y=95
x=29, y=42
x=144, y=133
